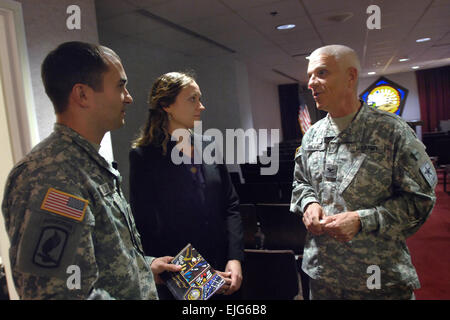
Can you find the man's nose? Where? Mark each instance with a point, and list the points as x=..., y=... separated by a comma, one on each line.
x=311, y=82
x=128, y=97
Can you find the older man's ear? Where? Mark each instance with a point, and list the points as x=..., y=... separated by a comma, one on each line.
x=352, y=77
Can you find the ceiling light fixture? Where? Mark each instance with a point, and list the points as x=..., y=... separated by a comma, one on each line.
x=371, y=73
x=423, y=39
x=415, y=67
x=403, y=59
x=286, y=26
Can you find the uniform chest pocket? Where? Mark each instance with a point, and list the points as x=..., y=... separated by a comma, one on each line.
x=111, y=202
x=120, y=215
x=367, y=181
x=119, y=207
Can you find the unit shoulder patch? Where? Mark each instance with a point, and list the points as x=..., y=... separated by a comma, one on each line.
x=429, y=174
x=50, y=247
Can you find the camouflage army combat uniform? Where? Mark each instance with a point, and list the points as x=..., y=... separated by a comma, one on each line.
x=66, y=216
x=377, y=167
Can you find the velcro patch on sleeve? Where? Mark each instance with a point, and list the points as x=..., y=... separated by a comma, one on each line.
x=64, y=204
x=416, y=154
x=429, y=174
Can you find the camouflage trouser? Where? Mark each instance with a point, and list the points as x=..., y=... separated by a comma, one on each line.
x=320, y=290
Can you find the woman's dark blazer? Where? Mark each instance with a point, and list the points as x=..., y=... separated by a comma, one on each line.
x=169, y=211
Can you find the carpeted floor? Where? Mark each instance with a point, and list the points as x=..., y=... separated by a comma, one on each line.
x=430, y=250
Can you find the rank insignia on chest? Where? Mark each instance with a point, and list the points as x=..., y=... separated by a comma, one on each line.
x=64, y=204
x=330, y=171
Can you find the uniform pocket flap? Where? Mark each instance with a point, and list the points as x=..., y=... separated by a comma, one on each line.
x=352, y=172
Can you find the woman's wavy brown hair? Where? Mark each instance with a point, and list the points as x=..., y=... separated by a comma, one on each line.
x=163, y=93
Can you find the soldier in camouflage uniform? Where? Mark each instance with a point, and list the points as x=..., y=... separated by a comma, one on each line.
x=363, y=183
x=71, y=229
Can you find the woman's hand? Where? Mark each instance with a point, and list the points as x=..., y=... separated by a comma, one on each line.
x=232, y=276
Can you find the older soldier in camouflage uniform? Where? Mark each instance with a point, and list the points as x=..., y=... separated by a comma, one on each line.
x=363, y=183
x=71, y=230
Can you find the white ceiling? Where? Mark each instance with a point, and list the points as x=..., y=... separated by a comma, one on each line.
x=207, y=28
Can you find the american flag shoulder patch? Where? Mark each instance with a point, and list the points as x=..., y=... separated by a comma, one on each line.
x=64, y=204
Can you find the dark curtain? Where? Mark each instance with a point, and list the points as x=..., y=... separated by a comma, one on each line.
x=290, y=96
x=289, y=102
x=434, y=96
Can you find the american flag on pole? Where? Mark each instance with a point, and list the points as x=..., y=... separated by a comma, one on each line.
x=303, y=118
x=64, y=204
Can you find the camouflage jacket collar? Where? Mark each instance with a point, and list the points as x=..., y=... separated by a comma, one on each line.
x=353, y=132
x=71, y=135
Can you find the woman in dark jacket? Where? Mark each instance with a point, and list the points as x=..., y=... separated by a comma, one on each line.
x=176, y=204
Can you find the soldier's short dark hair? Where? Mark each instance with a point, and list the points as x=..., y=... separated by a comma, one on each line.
x=71, y=63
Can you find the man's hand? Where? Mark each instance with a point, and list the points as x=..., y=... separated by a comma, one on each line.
x=161, y=264
x=343, y=226
x=311, y=217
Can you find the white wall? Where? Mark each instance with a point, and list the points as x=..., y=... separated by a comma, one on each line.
x=407, y=80
x=6, y=163
x=265, y=103
x=45, y=28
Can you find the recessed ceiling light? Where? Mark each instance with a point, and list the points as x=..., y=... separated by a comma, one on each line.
x=286, y=26
x=372, y=72
x=415, y=67
x=403, y=59
x=423, y=39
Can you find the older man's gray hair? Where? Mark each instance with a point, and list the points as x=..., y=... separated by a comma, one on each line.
x=345, y=57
